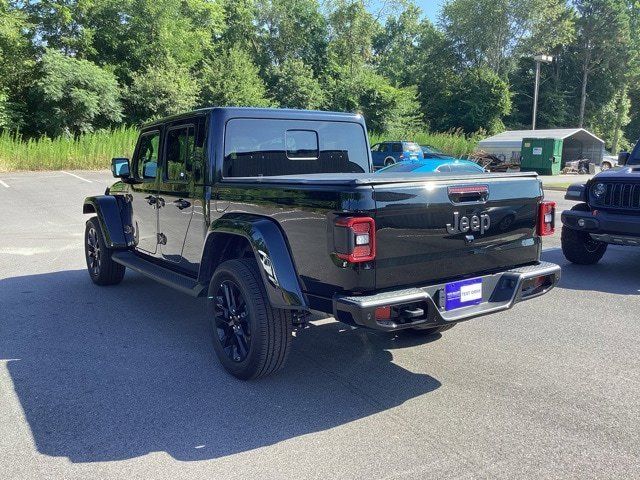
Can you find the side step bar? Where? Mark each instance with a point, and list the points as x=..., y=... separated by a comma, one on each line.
x=160, y=274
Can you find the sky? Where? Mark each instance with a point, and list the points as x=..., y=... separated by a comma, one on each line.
x=431, y=8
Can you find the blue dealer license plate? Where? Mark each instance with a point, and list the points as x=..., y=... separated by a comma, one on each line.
x=463, y=293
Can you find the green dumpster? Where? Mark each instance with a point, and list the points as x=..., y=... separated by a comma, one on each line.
x=542, y=155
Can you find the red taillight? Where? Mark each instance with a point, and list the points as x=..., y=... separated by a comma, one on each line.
x=546, y=218
x=355, y=239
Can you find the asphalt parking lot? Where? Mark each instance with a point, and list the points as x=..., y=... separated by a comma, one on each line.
x=121, y=382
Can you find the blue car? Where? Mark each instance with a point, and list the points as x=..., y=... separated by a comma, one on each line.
x=388, y=153
x=434, y=165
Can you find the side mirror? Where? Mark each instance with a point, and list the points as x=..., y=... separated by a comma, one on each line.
x=120, y=167
x=623, y=158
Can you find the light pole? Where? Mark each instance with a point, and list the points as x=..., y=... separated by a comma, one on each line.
x=539, y=59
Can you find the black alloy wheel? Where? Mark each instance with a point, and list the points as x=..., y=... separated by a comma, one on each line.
x=94, y=257
x=250, y=337
x=232, y=321
x=101, y=267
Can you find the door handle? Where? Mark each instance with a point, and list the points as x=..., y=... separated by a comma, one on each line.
x=151, y=200
x=182, y=204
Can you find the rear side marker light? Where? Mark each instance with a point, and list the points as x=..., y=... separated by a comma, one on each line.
x=355, y=239
x=546, y=218
x=383, y=313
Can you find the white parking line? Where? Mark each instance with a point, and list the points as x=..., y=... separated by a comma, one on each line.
x=74, y=175
x=4, y=184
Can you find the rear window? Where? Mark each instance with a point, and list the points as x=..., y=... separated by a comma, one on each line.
x=261, y=147
x=412, y=147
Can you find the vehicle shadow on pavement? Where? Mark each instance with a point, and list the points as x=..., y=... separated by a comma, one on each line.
x=618, y=272
x=111, y=373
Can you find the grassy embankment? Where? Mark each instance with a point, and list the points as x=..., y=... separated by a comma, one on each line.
x=94, y=151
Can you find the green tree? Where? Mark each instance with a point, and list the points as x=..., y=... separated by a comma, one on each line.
x=476, y=100
x=293, y=30
x=239, y=19
x=294, y=86
x=487, y=33
x=603, y=39
x=554, y=108
x=385, y=107
x=131, y=35
x=351, y=32
x=74, y=96
x=60, y=25
x=231, y=78
x=396, y=47
x=16, y=65
x=160, y=91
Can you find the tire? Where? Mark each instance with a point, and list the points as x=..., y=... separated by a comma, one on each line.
x=431, y=330
x=102, y=269
x=389, y=161
x=578, y=247
x=250, y=337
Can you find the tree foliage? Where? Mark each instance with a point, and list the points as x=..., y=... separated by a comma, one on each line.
x=80, y=65
x=74, y=96
x=294, y=86
x=231, y=78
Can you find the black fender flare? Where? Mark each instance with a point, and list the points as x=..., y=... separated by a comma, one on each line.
x=270, y=249
x=577, y=192
x=107, y=210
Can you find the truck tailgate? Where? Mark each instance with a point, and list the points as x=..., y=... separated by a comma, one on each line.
x=438, y=228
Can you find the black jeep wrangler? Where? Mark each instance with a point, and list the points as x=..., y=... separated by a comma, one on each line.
x=608, y=212
x=272, y=214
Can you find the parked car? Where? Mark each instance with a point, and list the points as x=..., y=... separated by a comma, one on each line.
x=272, y=214
x=436, y=165
x=608, y=212
x=608, y=161
x=388, y=153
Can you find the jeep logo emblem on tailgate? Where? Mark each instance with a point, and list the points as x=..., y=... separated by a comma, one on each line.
x=465, y=224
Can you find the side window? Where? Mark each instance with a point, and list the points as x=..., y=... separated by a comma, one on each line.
x=199, y=150
x=376, y=148
x=147, y=155
x=180, y=150
x=396, y=148
x=385, y=147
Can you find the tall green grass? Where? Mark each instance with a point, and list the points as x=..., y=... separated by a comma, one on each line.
x=453, y=143
x=94, y=151
x=91, y=151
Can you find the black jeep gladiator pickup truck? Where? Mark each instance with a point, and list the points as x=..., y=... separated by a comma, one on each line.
x=608, y=212
x=272, y=214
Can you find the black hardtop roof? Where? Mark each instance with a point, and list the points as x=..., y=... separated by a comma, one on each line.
x=272, y=113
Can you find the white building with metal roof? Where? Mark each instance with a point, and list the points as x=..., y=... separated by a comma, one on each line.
x=578, y=144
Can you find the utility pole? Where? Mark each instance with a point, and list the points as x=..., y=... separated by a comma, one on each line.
x=539, y=59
